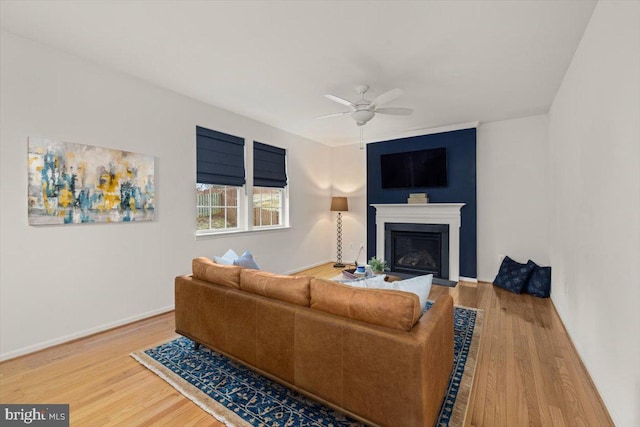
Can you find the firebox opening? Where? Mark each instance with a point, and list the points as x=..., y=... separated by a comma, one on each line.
x=417, y=249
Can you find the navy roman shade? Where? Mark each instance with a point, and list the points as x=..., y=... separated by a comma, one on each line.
x=220, y=158
x=269, y=166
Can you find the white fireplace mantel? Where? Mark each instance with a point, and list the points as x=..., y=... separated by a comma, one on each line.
x=429, y=213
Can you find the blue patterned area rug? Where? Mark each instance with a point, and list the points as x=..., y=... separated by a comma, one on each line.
x=237, y=396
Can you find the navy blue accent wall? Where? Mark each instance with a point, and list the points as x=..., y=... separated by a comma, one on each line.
x=461, y=188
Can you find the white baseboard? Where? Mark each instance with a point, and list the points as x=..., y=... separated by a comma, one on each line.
x=306, y=267
x=468, y=279
x=81, y=334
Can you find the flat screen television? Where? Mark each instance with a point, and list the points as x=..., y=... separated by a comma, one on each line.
x=415, y=169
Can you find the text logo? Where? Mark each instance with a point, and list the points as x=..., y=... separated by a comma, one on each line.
x=34, y=415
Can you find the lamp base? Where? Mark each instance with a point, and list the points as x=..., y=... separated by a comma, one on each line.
x=338, y=265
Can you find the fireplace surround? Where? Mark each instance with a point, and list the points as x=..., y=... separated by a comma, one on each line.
x=447, y=214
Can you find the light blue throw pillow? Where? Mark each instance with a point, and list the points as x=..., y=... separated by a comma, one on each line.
x=247, y=261
x=227, y=259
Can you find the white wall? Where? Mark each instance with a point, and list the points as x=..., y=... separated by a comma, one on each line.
x=349, y=178
x=513, y=203
x=594, y=148
x=60, y=282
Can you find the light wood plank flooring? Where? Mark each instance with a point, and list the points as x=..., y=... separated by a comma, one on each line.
x=528, y=372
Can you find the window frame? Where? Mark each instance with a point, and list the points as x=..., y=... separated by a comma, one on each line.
x=281, y=208
x=226, y=207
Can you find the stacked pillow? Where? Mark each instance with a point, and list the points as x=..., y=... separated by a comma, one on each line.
x=529, y=277
x=232, y=258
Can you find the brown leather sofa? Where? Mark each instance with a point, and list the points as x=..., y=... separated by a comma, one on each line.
x=368, y=353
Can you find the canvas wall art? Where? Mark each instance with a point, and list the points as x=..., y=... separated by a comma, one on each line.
x=76, y=183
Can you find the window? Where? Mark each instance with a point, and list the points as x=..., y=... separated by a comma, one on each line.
x=222, y=201
x=220, y=176
x=267, y=206
x=269, y=182
x=217, y=207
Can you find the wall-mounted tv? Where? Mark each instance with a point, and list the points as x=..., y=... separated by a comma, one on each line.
x=415, y=169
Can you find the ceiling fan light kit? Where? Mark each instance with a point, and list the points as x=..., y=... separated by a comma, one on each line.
x=362, y=116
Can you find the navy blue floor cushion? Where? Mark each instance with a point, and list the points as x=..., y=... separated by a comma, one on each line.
x=539, y=283
x=512, y=275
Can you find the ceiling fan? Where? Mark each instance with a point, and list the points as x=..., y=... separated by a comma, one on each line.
x=364, y=110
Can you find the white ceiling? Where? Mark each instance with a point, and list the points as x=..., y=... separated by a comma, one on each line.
x=458, y=61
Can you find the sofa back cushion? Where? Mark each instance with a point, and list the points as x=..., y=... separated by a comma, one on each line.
x=389, y=308
x=293, y=289
x=218, y=274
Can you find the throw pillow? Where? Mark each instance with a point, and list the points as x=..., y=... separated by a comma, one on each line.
x=227, y=258
x=539, y=283
x=512, y=275
x=246, y=261
x=419, y=285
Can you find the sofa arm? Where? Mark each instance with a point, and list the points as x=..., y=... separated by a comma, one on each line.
x=199, y=311
x=435, y=331
x=187, y=307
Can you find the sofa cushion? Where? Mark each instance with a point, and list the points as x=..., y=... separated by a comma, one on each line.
x=199, y=267
x=223, y=275
x=512, y=275
x=419, y=285
x=293, y=289
x=389, y=308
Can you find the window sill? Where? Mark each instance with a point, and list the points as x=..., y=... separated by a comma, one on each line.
x=208, y=234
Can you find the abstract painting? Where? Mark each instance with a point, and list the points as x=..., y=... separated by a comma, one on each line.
x=76, y=183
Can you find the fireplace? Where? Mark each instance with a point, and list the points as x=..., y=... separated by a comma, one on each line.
x=431, y=214
x=417, y=249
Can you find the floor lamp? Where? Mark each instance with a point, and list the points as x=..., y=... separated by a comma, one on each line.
x=339, y=204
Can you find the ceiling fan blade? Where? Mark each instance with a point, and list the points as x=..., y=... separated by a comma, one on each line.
x=333, y=115
x=387, y=96
x=394, y=111
x=341, y=101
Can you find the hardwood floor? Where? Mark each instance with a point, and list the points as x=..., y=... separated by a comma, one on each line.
x=528, y=372
x=100, y=381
